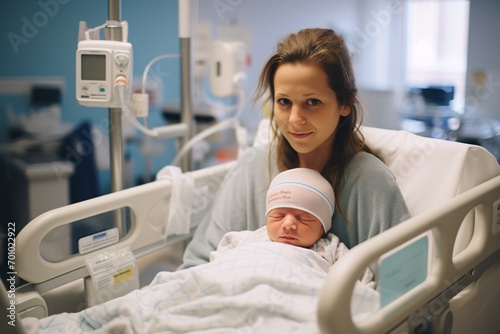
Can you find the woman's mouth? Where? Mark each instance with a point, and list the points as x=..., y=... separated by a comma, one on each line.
x=299, y=135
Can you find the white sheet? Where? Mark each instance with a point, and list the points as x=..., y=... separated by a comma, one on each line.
x=329, y=246
x=259, y=286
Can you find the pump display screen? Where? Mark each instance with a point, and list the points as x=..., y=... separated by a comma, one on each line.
x=93, y=67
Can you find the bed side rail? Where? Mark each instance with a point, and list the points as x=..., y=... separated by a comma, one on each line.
x=334, y=309
x=32, y=267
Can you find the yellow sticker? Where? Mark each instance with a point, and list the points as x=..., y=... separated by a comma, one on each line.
x=123, y=275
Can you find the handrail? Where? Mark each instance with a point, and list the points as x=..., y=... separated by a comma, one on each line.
x=334, y=311
x=141, y=200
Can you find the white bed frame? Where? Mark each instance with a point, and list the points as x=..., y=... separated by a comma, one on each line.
x=452, y=189
x=461, y=291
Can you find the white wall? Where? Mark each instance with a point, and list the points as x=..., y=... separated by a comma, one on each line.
x=379, y=61
x=484, y=56
x=375, y=31
x=367, y=25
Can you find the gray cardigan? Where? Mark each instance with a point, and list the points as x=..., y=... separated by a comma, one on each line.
x=371, y=199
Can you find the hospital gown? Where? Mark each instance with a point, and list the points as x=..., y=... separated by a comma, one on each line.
x=370, y=198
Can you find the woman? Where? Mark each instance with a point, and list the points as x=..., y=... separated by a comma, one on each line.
x=314, y=117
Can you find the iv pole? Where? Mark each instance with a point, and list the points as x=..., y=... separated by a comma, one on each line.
x=113, y=32
x=185, y=51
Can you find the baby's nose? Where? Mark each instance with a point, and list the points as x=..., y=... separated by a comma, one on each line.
x=289, y=222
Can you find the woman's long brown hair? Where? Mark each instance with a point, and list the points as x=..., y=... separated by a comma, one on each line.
x=327, y=49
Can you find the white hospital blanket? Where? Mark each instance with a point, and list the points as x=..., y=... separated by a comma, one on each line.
x=329, y=247
x=258, y=287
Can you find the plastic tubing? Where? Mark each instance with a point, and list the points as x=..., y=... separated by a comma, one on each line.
x=214, y=104
x=148, y=66
x=169, y=131
x=121, y=88
x=225, y=124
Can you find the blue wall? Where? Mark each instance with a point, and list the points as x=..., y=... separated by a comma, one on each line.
x=48, y=50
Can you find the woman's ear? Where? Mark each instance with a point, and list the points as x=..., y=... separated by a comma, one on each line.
x=345, y=110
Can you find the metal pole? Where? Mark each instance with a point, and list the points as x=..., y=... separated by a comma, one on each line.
x=185, y=51
x=114, y=10
x=113, y=32
x=186, y=107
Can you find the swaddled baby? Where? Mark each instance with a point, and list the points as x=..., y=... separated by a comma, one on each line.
x=299, y=207
x=299, y=210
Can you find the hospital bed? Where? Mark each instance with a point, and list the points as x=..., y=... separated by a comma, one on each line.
x=451, y=244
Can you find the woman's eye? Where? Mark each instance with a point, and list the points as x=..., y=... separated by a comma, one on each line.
x=283, y=101
x=313, y=102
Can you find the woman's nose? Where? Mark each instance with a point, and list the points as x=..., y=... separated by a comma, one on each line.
x=296, y=116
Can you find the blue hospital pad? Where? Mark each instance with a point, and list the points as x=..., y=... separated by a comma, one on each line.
x=403, y=270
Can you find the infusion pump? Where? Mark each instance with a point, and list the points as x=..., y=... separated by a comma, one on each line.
x=100, y=66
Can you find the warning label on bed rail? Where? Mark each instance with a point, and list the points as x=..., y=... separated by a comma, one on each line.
x=96, y=241
x=110, y=268
x=123, y=275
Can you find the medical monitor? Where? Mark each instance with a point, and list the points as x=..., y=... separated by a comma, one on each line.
x=100, y=64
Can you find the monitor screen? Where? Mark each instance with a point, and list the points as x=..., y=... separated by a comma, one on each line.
x=93, y=67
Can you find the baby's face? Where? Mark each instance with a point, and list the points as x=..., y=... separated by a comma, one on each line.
x=293, y=226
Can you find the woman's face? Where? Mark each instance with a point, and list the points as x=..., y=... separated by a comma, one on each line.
x=306, y=111
x=294, y=227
